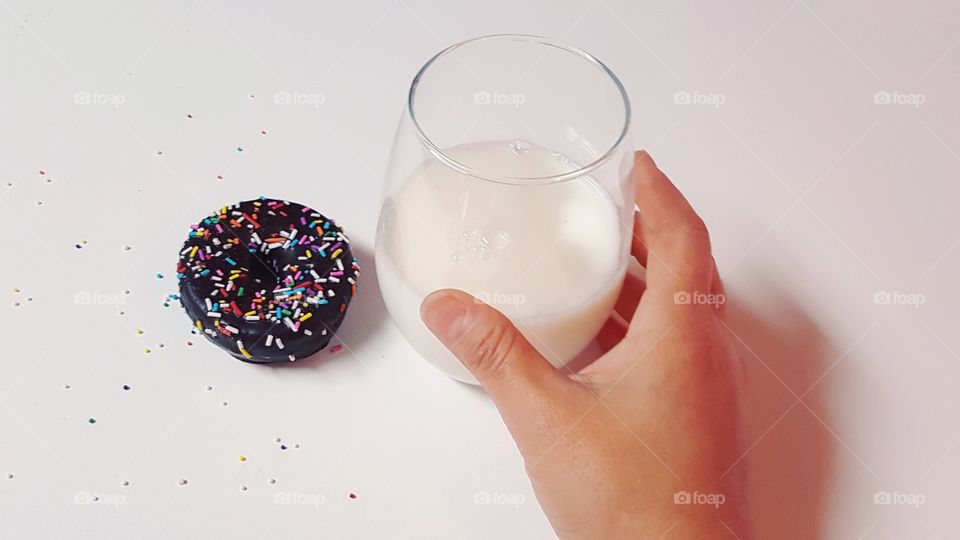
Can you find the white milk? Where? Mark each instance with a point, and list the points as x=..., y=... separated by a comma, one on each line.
x=547, y=256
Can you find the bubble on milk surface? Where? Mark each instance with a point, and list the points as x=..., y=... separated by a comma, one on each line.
x=520, y=146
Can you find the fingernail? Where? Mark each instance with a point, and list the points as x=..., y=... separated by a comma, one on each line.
x=443, y=313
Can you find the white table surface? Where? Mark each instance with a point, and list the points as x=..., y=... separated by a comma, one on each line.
x=816, y=196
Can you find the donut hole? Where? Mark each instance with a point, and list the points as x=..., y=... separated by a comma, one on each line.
x=264, y=271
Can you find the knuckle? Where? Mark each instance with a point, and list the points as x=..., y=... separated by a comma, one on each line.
x=492, y=346
x=707, y=357
x=688, y=231
x=694, y=232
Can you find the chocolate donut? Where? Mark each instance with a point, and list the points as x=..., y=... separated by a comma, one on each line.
x=267, y=280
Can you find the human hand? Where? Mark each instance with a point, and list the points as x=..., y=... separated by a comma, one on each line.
x=612, y=450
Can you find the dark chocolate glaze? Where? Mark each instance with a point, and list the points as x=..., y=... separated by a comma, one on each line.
x=310, y=277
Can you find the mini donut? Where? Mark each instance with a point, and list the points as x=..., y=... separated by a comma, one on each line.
x=267, y=280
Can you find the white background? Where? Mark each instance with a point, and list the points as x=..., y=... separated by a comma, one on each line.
x=817, y=198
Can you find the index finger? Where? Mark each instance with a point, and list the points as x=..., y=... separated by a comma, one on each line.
x=676, y=239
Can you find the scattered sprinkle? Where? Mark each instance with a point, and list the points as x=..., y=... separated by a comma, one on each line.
x=42, y=172
x=283, y=447
x=9, y=476
x=273, y=480
x=182, y=482
x=264, y=132
x=336, y=348
x=159, y=275
x=158, y=153
x=239, y=149
x=39, y=203
x=189, y=116
x=353, y=495
x=189, y=343
x=92, y=420
x=224, y=404
x=209, y=388
x=66, y=387
x=125, y=483
x=127, y=248
x=139, y=331
x=146, y=351
x=243, y=458
x=219, y=177
x=243, y=488
x=126, y=387
x=15, y=290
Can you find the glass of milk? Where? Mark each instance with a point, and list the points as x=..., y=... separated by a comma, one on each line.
x=509, y=180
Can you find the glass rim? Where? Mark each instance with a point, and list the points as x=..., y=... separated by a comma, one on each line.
x=581, y=170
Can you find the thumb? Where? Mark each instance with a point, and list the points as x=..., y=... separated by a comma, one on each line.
x=519, y=379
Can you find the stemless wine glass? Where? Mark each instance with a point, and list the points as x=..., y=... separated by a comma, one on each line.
x=509, y=180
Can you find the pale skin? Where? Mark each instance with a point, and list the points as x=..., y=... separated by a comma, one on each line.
x=610, y=450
